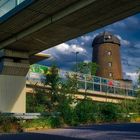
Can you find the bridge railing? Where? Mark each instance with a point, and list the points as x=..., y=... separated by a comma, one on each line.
x=95, y=83
x=7, y=5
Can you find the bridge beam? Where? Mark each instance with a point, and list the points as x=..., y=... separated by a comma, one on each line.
x=47, y=21
x=14, y=66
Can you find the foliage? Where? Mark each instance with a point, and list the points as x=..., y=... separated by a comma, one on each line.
x=86, y=111
x=86, y=68
x=49, y=122
x=53, y=80
x=138, y=102
x=67, y=100
x=129, y=106
x=8, y=123
x=139, y=76
x=43, y=100
x=110, y=112
x=36, y=102
x=61, y=98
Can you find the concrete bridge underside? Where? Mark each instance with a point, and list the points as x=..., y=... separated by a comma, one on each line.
x=46, y=23
x=42, y=25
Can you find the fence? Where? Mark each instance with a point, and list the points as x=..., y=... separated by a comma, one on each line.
x=95, y=83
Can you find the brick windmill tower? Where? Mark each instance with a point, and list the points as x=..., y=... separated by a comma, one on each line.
x=106, y=53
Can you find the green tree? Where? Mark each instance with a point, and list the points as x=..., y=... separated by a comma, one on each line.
x=138, y=103
x=86, y=68
x=53, y=81
x=67, y=99
x=110, y=112
x=37, y=101
x=42, y=100
x=86, y=110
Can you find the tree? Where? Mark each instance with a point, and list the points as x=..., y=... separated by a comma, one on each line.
x=42, y=100
x=67, y=99
x=87, y=68
x=36, y=102
x=53, y=80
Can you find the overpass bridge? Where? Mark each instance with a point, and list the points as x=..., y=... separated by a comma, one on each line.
x=97, y=88
x=28, y=27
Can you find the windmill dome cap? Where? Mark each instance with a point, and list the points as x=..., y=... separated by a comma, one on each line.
x=106, y=37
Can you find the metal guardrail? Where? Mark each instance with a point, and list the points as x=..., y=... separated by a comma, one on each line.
x=30, y=116
x=7, y=5
x=10, y=7
x=95, y=83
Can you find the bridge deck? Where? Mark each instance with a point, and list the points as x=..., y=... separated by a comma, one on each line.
x=46, y=23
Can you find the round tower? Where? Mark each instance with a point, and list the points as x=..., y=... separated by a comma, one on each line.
x=106, y=53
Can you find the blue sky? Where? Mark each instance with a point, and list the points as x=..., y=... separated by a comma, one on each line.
x=127, y=30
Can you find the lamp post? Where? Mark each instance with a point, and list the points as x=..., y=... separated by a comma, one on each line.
x=76, y=53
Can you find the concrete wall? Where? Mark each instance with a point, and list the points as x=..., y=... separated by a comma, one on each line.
x=12, y=94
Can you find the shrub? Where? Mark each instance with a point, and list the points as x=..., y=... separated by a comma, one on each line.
x=110, y=112
x=67, y=112
x=87, y=111
x=49, y=122
x=9, y=123
x=54, y=121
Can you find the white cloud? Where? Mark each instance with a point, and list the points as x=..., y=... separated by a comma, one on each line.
x=62, y=48
x=65, y=53
x=137, y=46
x=87, y=61
x=75, y=48
x=133, y=76
x=119, y=24
x=66, y=48
x=123, y=41
x=133, y=20
x=82, y=43
x=86, y=38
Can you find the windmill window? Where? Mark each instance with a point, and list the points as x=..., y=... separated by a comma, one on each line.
x=109, y=53
x=110, y=64
x=110, y=74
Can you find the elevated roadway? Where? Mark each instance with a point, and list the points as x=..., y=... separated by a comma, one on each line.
x=46, y=23
x=98, y=96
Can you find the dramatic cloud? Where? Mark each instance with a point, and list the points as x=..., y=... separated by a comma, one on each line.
x=133, y=76
x=123, y=41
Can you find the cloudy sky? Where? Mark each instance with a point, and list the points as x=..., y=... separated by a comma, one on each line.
x=127, y=30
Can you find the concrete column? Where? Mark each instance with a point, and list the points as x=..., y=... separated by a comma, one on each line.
x=14, y=66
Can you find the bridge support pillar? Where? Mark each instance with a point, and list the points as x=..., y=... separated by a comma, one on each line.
x=14, y=66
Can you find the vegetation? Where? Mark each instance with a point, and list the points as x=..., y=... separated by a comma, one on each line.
x=86, y=68
x=43, y=122
x=37, y=101
x=59, y=105
x=8, y=123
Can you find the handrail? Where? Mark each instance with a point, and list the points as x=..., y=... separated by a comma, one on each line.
x=85, y=84
x=8, y=5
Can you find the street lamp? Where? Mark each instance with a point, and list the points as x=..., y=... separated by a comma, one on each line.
x=76, y=53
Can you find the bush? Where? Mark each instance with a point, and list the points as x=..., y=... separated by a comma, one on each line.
x=110, y=112
x=67, y=112
x=9, y=123
x=87, y=111
x=54, y=121
x=49, y=122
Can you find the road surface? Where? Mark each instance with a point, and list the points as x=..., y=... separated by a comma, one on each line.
x=130, y=131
